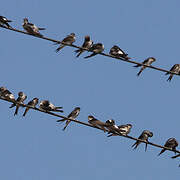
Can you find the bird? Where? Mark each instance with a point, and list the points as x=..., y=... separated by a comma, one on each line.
x=144, y=136
x=32, y=28
x=32, y=104
x=96, y=123
x=175, y=69
x=147, y=62
x=118, y=52
x=171, y=143
x=87, y=44
x=21, y=98
x=73, y=115
x=123, y=129
x=112, y=127
x=6, y=94
x=95, y=48
x=70, y=39
x=4, y=21
x=48, y=106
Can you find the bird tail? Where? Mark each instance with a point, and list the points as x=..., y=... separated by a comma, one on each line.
x=79, y=51
x=60, y=47
x=173, y=157
x=137, y=65
x=41, y=29
x=61, y=120
x=12, y=105
x=146, y=147
x=67, y=122
x=9, y=21
x=135, y=145
x=170, y=77
x=16, y=111
x=139, y=72
x=161, y=152
x=93, y=54
x=58, y=110
x=26, y=110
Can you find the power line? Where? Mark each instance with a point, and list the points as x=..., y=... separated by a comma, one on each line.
x=78, y=47
x=89, y=125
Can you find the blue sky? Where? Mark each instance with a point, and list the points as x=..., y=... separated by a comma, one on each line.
x=34, y=147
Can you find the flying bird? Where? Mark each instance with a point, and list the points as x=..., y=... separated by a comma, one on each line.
x=95, y=48
x=48, y=106
x=175, y=69
x=123, y=129
x=87, y=44
x=118, y=52
x=73, y=115
x=97, y=123
x=170, y=143
x=32, y=28
x=6, y=94
x=32, y=104
x=21, y=98
x=144, y=136
x=70, y=39
x=147, y=62
x=4, y=21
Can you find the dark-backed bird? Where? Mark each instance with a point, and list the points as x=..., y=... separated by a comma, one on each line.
x=6, y=94
x=175, y=69
x=123, y=129
x=32, y=28
x=144, y=136
x=147, y=62
x=112, y=127
x=48, y=106
x=95, y=48
x=87, y=44
x=171, y=143
x=70, y=39
x=21, y=98
x=73, y=115
x=4, y=21
x=118, y=52
x=96, y=123
x=32, y=104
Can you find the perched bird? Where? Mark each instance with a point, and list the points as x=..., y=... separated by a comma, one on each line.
x=6, y=94
x=32, y=104
x=144, y=136
x=118, y=52
x=175, y=69
x=97, y=123
x=123, y=129
x=95, y=48
x=48, y=106
x=170, y=143
x=32, y=28
x=87, y=44
x=4, y=21
x=147, y=62
x=70, y=39
x=112, y=128
x=72, y=116
x=21, y=98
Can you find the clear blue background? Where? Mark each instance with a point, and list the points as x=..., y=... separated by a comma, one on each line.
x=34, y=147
